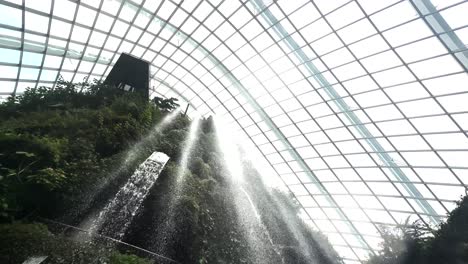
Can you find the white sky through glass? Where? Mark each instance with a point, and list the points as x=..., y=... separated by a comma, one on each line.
x=357, y=107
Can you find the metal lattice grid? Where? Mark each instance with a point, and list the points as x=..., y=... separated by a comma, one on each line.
x=357, y=106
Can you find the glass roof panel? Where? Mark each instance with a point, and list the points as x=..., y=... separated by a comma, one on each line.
x=65, y=9
x=344, y=92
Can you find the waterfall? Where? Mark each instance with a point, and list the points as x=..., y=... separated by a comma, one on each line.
x=155, y=132
x=188, y=146
x=257, y=234
x=117, y=215
x=130, y=158
x=165, y=231
x=250, y=222
x=252, y=205
x=262, y=226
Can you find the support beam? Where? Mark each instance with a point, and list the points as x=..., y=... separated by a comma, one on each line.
x=442, y=30
x=341, y=104
x=186, y=109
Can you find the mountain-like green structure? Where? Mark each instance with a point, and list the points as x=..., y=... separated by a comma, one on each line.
x=66, y=153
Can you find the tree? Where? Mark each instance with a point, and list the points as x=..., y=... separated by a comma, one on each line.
x=166, y=104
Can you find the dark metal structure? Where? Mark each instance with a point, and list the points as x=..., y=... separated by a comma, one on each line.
x=130, y=74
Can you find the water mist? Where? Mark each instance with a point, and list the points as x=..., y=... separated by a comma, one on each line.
x=164, y=235
x=95, y=221
x=250, y=222
x=115, y=218
x=155, y=132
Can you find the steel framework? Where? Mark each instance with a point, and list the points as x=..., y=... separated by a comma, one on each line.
x=357, y=106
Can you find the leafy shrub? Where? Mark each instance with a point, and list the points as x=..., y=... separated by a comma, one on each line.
x=418, y=245
x=118, y=258
x=200, y=168
x=171, y=142
x=55, y=143
x=166, y=104
x=28, y=173
x=20, y=241
x=77, y=139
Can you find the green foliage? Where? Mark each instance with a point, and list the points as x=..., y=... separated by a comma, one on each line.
x=50, y=178
x=19, y=150
x=20, y=241
x=450, y=243
x=189, y=205
x=29, y=172
x=170, y=142
x=205, y=226
x=59, y=144
x=118, y=258
x=66, y=95
x=200, y=168
x=55, y=143
x=405, y=244
x=166, y=104
x=417, y=245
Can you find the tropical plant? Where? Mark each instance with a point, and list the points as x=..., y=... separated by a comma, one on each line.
x=66, y=151
x=166, y=104
x=21, y=241
x=416, y=244
x=55, y=142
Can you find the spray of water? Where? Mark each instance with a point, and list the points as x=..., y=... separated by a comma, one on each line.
x=295, y=230
x=249, y=220
x=252, y=205
x=292, y=228
x=165, y=230
x=154, y=132
x=115, y=218
x=186, y=152
x=130, y=157
x=262, y=226
x=230, y=151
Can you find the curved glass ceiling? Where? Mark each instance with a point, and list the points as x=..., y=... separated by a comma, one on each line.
x=360, y=107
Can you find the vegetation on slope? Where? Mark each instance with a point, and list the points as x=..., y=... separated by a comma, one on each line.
x=54, y=145
x=65, y=152
x=57, y=145
x=206, y=227
x=22, y=240
x=448, y=244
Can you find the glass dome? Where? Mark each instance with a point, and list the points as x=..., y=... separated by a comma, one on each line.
x=358, y=106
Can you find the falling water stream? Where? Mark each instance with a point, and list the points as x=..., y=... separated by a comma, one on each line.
x=130, y=157
x=261, y=224
x=250, y=220
x=252, y=205
x=293, y=229
x=155, y=131
x=233, y=163
x=187, y=150
x=115, y=218
x=117, y=215
x=165, y=231
x=145, y=176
